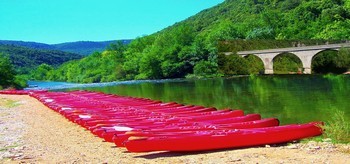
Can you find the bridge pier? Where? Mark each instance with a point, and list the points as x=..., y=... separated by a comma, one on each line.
x=267, y=60
x=306, y=59
x=307, y=71
x=269, y=71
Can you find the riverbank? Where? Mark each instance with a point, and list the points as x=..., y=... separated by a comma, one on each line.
x=48, y=85
x=32, y=133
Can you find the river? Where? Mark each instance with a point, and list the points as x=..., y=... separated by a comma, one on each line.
x=290, y=98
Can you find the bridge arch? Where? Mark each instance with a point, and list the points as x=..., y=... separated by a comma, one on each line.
x=255, y=64
x=287, y=62
x=324, y=62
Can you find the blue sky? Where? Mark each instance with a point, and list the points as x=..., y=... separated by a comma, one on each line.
x=57, y=21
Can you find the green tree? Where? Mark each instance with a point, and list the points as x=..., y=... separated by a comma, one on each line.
x=343, y=58
x=205, y=69
x=134, y=54
x=336, y=31
x=347, y=4
x=119, y=48
x=235, y=65
x=255, y=65
x=150, y=67
x=7, y=72
x=261, y=33
x=225, y=30
x=42, y=72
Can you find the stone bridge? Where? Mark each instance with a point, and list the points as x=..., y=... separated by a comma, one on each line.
x=305, y=54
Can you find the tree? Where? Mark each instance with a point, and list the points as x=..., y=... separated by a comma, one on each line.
x=225, y=30
x=7, y=72
x=261, y=33
x=343, y=58
x=347, y=4
x=150, y=67
x=235, y=65
x=119, y=47
x=255, y=65
x=336, y=31
x=42, y=72
x=206, y=69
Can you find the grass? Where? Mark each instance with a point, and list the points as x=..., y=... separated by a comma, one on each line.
x=345, y=150
x=338, y=128
x=9, y=147
x=8, y=103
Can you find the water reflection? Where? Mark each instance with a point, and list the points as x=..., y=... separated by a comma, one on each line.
x=292, y=99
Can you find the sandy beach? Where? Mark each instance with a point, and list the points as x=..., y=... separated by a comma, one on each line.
x=32, y=133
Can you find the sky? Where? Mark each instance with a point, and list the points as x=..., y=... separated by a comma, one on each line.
x=58, y=21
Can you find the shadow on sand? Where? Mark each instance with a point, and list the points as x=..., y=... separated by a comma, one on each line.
x=155, y=155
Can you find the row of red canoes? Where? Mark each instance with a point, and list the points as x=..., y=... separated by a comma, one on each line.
x=143, y=125
x=19, y=92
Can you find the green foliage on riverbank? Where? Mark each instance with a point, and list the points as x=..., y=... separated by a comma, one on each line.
x=8, y=76
x=98, y=67
x=338, y=129
x=192, y=47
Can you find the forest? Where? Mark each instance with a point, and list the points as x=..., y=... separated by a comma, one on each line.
x=191, y=48
x=26, y=59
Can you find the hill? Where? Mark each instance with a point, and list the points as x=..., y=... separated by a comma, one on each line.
x=79, y=47
x=85, y=47
x=287, y=19
x=26, y=59
x=190, y=47
x=27, y=44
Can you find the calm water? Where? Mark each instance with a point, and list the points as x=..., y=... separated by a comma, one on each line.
x=292, y=99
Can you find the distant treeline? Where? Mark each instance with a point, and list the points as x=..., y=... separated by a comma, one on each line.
x=79, y=47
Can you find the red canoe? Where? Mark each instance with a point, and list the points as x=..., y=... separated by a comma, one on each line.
x=212, y=140
x=119, y=139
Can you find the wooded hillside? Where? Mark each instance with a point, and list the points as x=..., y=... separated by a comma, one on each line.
x=190, y=48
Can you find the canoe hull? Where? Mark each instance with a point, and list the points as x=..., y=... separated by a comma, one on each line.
x=239, y=139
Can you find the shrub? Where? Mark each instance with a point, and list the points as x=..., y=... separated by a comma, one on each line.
x=206, y=69
x=7, y=72
x=338, y=129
